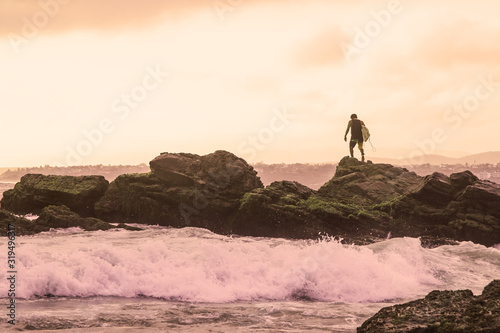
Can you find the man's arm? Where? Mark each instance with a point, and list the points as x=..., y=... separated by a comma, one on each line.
x=349, y=124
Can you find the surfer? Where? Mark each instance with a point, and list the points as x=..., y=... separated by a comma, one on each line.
x=355, y=125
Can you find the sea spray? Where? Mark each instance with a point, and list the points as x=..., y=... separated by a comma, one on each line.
x=196, y=265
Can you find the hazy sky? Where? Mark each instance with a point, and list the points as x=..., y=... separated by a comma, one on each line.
x=119, y=81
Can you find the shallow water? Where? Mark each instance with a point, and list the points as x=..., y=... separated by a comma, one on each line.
x=95, y=313
x=192, y=280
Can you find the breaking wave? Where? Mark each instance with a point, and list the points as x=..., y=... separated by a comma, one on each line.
x=194, y=264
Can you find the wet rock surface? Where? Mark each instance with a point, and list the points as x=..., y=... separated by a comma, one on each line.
x=441, y=311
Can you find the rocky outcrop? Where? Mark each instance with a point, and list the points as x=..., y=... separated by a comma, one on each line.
x=368, y=183
x=291, y=210
x=279, y=210
x=182, y=190
x=441, y=311
x=34, y=192
x=220, y=171
x=53, y=217
x=362, y=203
x=62, y=217
x=22, y=225
x=461, y=207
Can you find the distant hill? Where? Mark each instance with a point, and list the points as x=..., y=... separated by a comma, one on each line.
x=481, y=158
x=311, y=175
x=2, y=170
x=316, y=175
x=492, y=157
x=110, y=172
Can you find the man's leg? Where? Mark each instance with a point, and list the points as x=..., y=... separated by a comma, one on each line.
x=351, y=147
x=360, y=146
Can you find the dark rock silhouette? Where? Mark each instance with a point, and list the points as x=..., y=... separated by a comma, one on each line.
x=367, y=183
x=230, y=175
x=461, y=207
x=441, y=311
x=53, y=217
x=279, y=210
x=22, y=225
x=34, y=192
x=362, y=203
x=63, y=217
x=182, y=190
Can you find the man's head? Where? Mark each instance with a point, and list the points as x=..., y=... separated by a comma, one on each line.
x=354, y=116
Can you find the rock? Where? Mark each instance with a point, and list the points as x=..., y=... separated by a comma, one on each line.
x=439, y=190
x=62, y=217
x=435, y=190
x=221, y=170
x=362, y=203
x=22, y=225
x=142, y=198
x=278, y=210
x=291, y=210
x=182, y=190
x=367, y=183
x=34, y=192
x=481, y=196
x=430, y=242
x=54, y=217
x=127, y=227
x=174, y=169
x=441, y=311
x=463, y=179
x=461, y=207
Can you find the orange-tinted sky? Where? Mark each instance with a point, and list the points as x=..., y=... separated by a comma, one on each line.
x=119, y=81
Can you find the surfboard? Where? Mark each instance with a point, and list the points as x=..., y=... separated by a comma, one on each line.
x=365, y=132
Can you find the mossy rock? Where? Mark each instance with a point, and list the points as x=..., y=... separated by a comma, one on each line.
x=441, y=311
x=63, y=217
x=34, y=192
x=22, y=225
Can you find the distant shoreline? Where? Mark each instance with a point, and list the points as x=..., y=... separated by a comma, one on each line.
x=313, y=175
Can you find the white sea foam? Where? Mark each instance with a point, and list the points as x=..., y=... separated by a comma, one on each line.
x=196, y=265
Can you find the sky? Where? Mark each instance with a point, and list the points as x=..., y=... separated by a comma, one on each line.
x=120, y=81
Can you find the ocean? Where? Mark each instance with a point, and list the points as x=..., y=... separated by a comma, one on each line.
x=191, y=280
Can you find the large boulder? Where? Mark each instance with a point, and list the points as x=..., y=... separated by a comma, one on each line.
x=291, y=210
x=441, y=311
x=460, y=206
x=367, y=183
x=34, y=192
x=230, y=175
x=277, y=211
x=143, y=198
x=182, y=190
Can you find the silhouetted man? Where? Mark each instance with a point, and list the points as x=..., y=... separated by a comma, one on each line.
x=356, y=135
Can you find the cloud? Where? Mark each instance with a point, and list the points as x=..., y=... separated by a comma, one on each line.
x=66, y=15
x=323, y=49
x=459, y=42
x=58, y=16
